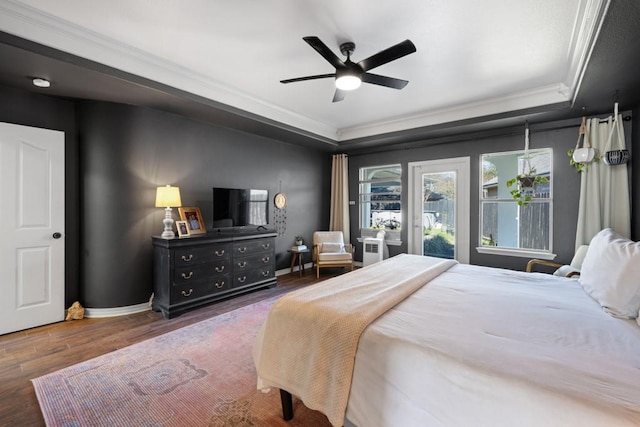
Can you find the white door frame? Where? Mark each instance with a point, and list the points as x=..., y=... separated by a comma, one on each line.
x=460, y=165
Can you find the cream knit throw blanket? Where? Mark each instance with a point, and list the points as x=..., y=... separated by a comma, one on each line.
x=309, y=340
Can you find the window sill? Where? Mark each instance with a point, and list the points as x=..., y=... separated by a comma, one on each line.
x=522, y=253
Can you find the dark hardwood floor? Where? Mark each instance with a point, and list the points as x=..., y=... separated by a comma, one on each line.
x=35, y=352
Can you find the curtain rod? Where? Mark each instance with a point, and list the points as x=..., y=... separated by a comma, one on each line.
x=625, y=118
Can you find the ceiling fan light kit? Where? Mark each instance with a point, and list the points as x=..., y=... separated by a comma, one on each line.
x=348, y=82
x=349, y=75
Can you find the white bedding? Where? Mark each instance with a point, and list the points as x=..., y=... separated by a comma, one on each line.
x=490, y=347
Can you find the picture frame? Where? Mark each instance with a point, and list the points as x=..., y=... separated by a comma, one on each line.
x=193, y=217
x=183, y=228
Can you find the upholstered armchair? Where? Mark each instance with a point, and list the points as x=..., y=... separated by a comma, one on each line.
x=573, y=269
x=329, y=250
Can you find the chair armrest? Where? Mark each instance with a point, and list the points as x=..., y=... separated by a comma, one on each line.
x=350, y=248
x=533, y=262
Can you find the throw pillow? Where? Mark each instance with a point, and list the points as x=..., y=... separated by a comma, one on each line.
x=611, y=273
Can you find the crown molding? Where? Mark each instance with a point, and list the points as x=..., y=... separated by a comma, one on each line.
x=32, y=24
x=585, y=33
x=547, y=95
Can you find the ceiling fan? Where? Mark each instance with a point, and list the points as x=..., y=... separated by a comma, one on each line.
x=349, y=74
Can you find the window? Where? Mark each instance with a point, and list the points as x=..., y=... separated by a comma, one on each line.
x=523, y=228
x=380, y=200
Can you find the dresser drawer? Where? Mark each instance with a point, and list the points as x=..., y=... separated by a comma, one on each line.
x=192, y=291
x=251, y=262
x=200, y=272
x=201, y=269
x=199, y=255
x=251, y=247
x=241, y=278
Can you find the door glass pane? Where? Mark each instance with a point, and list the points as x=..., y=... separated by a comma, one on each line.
x=438, y=214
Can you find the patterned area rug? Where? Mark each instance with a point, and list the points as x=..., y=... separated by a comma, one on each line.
x=200, y=375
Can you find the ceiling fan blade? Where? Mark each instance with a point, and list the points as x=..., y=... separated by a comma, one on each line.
x=323, y=50
x=383, y=80
x=339, y=95
x=301, y=79
x=390, y=54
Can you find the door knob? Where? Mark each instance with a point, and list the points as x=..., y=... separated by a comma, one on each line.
x=57, y=235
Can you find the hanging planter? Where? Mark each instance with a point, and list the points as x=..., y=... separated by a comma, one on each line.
x=581, y=156
x=617, y=156
x=526, y=182
x=523, y=186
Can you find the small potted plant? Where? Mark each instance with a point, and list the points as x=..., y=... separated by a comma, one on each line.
x=299, y=241
x=581, y=166
x=524, y=186
x=580, y=157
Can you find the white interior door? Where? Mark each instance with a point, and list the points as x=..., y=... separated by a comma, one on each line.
x=439, y=208
x=31, y=226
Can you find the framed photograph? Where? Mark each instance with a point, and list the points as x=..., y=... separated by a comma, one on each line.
x=183, y=228
x=193, y=218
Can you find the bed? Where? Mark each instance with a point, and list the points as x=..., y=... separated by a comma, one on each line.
x=483, y=346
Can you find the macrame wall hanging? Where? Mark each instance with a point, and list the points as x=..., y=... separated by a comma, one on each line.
x=280, y=212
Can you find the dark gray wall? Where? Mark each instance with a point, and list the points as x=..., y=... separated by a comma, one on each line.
x=635, y=177
x=30, y=109
x=560, y=136
x=126, y=152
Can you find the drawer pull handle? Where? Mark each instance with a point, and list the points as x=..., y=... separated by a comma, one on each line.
x=219, y=269
x=242, y=264
x=242, y=249
x=220, y=253
x=187, y=259
x=266, y=246
x=187, y=276
x=186, y=294
x=266, y=273
x=219, y=285
x=266, y=259
x=242, y=279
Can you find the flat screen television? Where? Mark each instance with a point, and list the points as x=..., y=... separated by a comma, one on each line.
x=236, y=207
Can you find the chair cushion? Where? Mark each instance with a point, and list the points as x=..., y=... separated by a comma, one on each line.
x=334, y=256
x=578, y=257
x=328, y=236
x=330, y=247
x=565, y=270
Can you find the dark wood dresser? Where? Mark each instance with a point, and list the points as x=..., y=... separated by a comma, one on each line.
x=193, y=271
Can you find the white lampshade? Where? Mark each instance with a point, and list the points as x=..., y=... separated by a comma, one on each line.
x=348, y=82
x=168, y=197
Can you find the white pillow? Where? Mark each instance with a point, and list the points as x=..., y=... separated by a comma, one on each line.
x=611, y=273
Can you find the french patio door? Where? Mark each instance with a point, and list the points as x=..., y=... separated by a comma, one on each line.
x=31, y=226
x=439, y=208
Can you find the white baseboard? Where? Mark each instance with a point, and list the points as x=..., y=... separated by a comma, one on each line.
x=138, y=308
x=116, y=311
x=307, y=266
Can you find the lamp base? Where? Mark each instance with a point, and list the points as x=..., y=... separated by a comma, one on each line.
x=168, y=225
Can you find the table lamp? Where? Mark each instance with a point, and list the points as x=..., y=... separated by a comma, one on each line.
x=168, y=197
